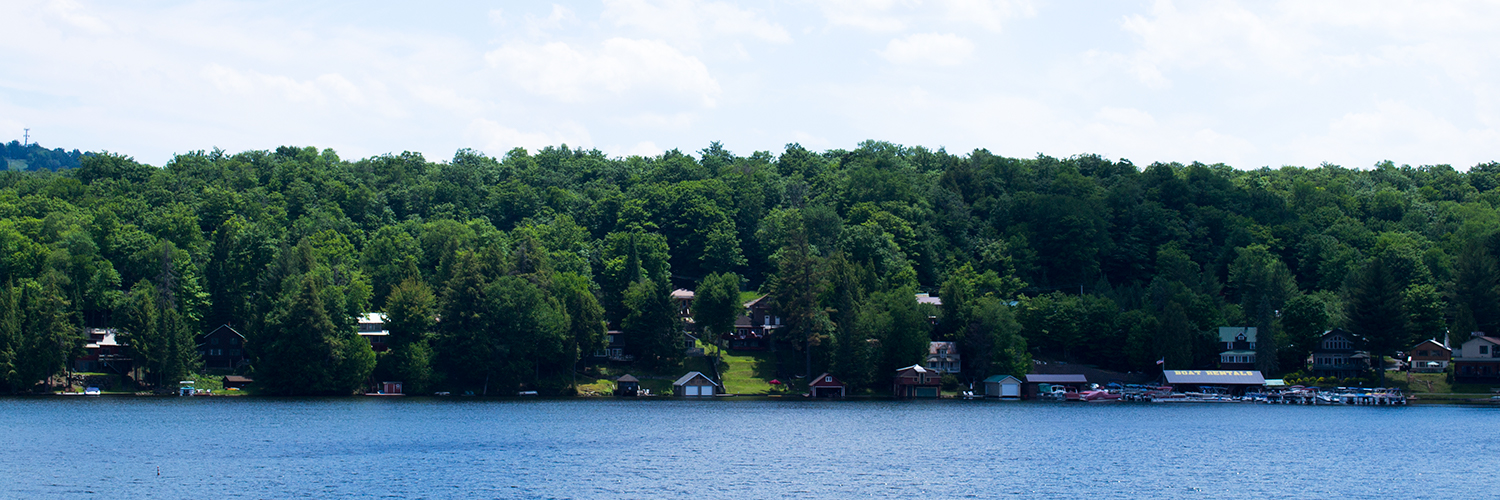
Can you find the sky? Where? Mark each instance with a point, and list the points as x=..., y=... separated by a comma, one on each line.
x=1248, y=84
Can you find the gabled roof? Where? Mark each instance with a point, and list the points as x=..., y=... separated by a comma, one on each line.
x=1439, y=345
x=375, y=317
x=934, y=347
x=627, y=378
x=1001, y=379
x=689, y=377
x=1228, y=333
x=682, y=293
x=225, y=327
x=822, y=381
x=755, y=302
x=1051, y=378
x=916, y=368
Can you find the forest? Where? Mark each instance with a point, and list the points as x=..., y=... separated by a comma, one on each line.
x=507, y=272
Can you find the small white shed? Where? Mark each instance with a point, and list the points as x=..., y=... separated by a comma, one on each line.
x=695, y=384
x=1002, y=386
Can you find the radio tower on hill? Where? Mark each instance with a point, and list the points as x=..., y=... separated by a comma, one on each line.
x=26, y=138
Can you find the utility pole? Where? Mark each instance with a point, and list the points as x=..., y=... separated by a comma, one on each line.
x=26, y=138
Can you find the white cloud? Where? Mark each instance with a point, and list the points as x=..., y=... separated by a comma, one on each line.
x=619, y=66
x=988, y=14
x=928, y=48
x=691, y=22
x=868, y=15
x=1394, y=130
x=495, y=139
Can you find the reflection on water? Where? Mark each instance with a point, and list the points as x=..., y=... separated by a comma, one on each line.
x=270, y=448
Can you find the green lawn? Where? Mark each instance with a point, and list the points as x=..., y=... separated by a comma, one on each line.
x=1432, y=383
x=748, y=372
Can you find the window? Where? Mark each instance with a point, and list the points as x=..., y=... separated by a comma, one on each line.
x=234, y=352
x=234, y=341
x=215, y=341
x=1484, y=349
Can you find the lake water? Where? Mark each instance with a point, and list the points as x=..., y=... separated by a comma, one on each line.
x=414, y=448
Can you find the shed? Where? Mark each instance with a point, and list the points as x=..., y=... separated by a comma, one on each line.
x=627, y=385
x=695, y=384
x=826, y=386
x=916, y=381
x=1002, y=386
x=236, y=382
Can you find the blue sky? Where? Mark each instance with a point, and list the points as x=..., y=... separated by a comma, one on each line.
x=1248, y=84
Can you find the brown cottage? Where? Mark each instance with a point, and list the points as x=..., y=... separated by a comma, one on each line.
x=1429, y=356
x=917, y=382
x=222, y=348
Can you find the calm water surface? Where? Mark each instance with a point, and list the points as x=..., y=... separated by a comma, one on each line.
x=381, y=448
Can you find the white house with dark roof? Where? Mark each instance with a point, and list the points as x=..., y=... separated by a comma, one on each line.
x=942, y=357
x=1478, y=359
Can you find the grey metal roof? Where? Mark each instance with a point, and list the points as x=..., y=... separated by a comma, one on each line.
x=1227, y=377
x=689, y=377
x=1057, y=378
x=627, y=378
x=1001, y=378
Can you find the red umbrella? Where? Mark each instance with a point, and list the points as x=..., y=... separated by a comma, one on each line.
x=775, y=382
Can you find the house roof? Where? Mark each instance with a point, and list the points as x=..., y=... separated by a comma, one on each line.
x=1237, y=352
x=689, y=378
x=682, y=293
x=1434, y=343
x=947, y=347
x=627, y=378
x=923, y=298
x=822, y=381
x=1001, y=378
x=372, y=318
x=916, y=368
x=755, y=302
x=1227, y=377
x=1061, y=378
x=237, y=378
x=1228, y=333
x=226, y=327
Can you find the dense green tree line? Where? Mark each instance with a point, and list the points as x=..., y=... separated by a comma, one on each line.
x=499, y=273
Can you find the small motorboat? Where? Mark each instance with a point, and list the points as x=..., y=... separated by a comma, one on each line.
x=91, y=391
x=1099, y=395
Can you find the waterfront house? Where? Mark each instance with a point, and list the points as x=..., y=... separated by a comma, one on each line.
x=695, y=384
x=222, y=348
x=102, y=352
x=916, y=381
x=372, y=328
x=1034, y=381
x=826, y=386
x=1429, y=357
x=1478, y=359
x=390, y=388
x=627, y=385
x=1003, y=387
x=753, y=329
x=1238, y=344
x=942, y=357
x=1340, y=354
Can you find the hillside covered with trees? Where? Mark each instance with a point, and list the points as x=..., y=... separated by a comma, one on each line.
x=506, y=272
